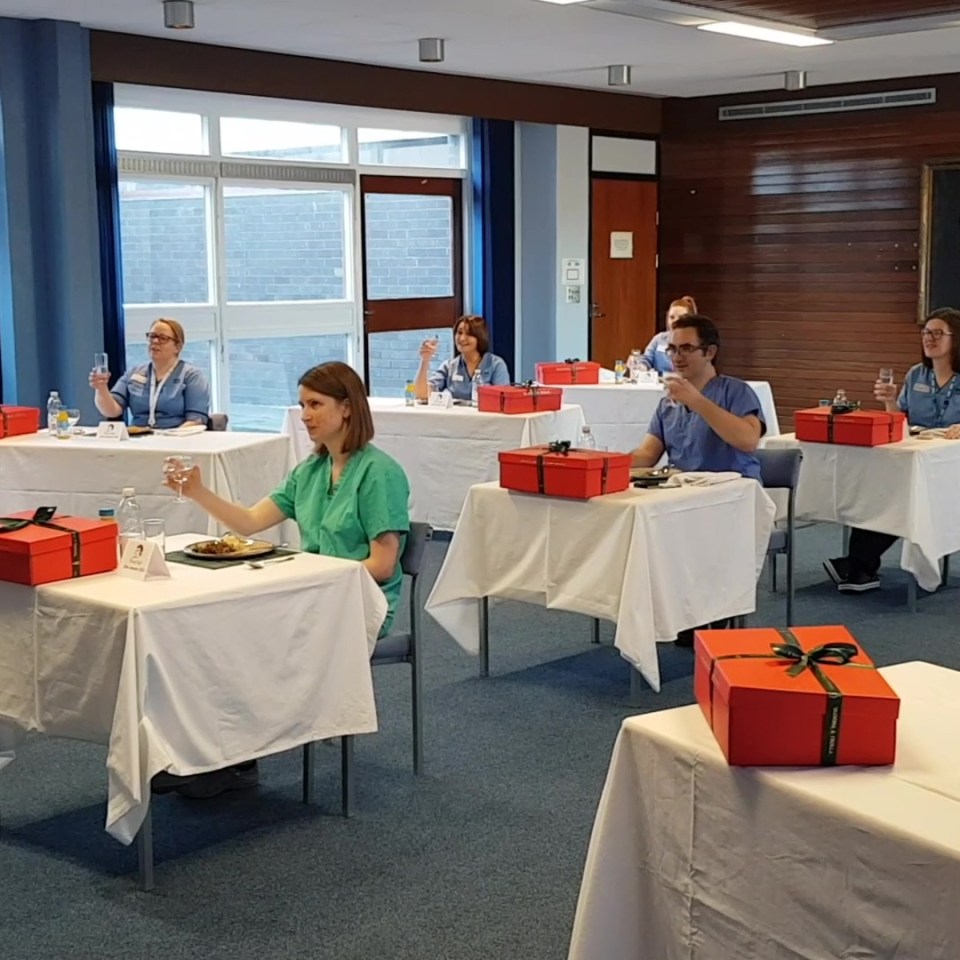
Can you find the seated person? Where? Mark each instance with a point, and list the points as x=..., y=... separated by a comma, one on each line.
x=349, y=500
x=706, y=421
x=655, y=356
x=930, y=397
x=472, y=359
x=165, y=393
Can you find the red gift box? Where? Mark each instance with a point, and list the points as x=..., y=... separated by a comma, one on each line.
x=569, y=371
x=784, y=698
x=556, y=470
x=58, y=549
x=859, y=428
x=16, y=421
x=526, y=398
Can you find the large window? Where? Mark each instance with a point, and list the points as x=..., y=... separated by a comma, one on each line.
x=241, y=218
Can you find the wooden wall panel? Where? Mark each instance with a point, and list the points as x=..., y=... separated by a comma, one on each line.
x=829, y=13
x=800, y=236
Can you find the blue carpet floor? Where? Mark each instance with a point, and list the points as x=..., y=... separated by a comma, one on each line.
x=480, y=858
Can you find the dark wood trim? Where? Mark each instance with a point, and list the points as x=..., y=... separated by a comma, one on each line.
x=434, y=186
x=604, y=175
x=162, y=62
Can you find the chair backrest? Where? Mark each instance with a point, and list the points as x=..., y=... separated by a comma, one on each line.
x=217, y=421
x=412, y=558
x=779, y=469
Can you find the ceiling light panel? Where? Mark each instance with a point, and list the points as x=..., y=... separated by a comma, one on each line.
x=750, y=32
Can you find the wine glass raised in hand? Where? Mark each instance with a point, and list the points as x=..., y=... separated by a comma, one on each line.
x=177, y=468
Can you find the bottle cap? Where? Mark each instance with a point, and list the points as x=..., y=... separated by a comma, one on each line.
x=106, y=513
x=128, y=492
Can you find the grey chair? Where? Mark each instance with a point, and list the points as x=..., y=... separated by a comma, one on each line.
x=218, y=421
x=780, y=470
x=395, y=647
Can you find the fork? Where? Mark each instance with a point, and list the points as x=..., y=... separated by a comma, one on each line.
x=260, y=564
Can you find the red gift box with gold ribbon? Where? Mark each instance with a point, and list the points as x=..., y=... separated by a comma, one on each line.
x=807, y=696
x=35, y=551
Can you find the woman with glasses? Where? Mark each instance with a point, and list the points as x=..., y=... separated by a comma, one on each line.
x=930, y=397
x=165, y=393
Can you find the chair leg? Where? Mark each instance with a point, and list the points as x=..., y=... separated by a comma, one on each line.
x=416, y=695
x=636, y=686
x=912, y=593
x=484, y=637
x=309, y=751
x=773, y=571
x=346, y=773
x=791, y=589
x=595, y=630
x=945, y=570
x=145, y=851
x=846, y=541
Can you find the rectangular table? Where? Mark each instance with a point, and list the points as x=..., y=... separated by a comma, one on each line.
x=653, y=561
x=619, y=414
x=190, y=674
x=445, y=452
x=80, y=474
x=907, y=489
x=691, y=859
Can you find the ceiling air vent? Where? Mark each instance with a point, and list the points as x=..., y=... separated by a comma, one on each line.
x=861, y=101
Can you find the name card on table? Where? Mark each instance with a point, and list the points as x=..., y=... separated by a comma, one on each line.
x=143, y=560
x=112, y=430
x=648, y=376
x=440, y=398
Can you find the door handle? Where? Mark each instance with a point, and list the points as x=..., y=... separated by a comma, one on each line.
x=368, y=313
x=595, y=311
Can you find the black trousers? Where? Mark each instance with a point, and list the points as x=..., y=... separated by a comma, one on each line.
x=866, y=549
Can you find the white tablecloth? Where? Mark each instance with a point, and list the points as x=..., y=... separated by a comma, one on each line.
x=445, y=452
x=907, y=489
x=80, y=474
x=619, y=414
x=654, y=561
x=693, y=860
x=194, y=673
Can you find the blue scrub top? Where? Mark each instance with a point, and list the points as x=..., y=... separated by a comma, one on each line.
x=655, y=355
x=925, y=403
x=452, y=375
x=690, y=441
x=185, y=395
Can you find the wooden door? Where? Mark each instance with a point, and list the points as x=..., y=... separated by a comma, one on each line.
x=623, y=289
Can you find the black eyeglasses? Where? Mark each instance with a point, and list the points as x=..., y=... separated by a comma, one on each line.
x=685, y=348
x=935, y=334
x=159, y=338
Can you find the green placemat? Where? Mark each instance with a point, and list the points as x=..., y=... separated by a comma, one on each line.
x=178, y=556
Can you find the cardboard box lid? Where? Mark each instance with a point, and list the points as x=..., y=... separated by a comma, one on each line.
x=37, y=540
x=573, y=459
x=755, y=682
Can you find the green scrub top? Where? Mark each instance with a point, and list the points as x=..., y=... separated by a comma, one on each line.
x=340, y=520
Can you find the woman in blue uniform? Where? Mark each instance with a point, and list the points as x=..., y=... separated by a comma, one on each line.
x=472, y=360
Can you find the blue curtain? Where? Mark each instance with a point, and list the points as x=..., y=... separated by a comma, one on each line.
x=108, y=209
x=494, y=266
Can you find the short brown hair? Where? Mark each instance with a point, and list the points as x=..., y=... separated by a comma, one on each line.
x=477, y=327
x=337, y=380
x=951, y=318
x=176, y=328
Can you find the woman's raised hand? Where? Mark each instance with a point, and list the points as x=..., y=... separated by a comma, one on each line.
x=428, y=349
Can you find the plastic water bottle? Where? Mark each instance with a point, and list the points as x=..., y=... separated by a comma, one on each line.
x=53, y=408
x=129, y=517
x=474, y=396
x=587, y=440
x=409, y=394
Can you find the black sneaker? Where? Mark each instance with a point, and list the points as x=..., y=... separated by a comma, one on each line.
x=859, y=582
x=838, y=569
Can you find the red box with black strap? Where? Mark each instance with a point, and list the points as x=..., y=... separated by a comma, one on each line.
x=807, y=696
x=35, y=550
x=858, y=428
x=569, y=371
x=18, y=421
x=557, y=470
x=519, y=398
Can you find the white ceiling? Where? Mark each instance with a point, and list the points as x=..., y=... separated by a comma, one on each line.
x=518, y=39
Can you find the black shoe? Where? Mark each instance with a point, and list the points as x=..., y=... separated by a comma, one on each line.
x=165, y=782
x=838, y=569
x=859, y=582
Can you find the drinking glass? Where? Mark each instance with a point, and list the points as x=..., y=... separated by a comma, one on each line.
x=178, y=468
x=101, y=363
x=155, y=531
x=886, y=375
x=73, y=417
x=668, y=376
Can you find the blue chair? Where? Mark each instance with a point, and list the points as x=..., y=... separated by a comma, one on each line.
x=395, y=647
x=780, y=470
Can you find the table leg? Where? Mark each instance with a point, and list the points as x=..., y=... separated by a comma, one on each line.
x=145, y=851
x=308, y=759
x=595, y=630
x=912, y=594
x=636, y=687
x=484, y=637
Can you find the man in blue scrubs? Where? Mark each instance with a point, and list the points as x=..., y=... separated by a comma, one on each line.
x=707, y=421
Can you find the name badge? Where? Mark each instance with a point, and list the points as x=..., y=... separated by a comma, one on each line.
x=138, y=377
x=921, y=387
x=458, y=377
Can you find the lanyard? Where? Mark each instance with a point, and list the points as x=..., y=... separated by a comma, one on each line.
x=155, y=387
x=942, y=397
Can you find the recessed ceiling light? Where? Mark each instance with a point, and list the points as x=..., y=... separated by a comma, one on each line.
x=750, y=32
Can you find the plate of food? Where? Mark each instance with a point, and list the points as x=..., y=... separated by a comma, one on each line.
x=651, y=476
x=139, y=431
x=228, y=547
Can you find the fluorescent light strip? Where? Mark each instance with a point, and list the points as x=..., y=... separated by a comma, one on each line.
x=750, y=32
x=564, y=2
